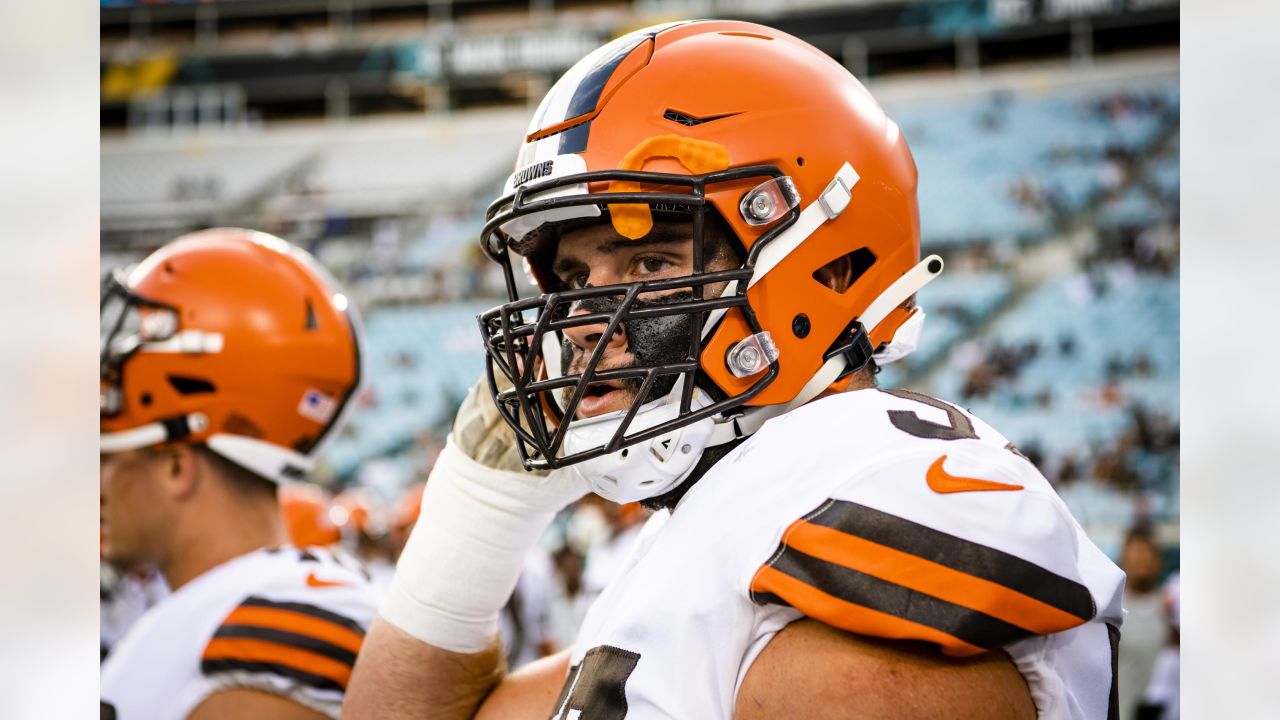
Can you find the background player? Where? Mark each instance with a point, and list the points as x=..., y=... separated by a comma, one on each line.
x=227, y=359
x=684, y=325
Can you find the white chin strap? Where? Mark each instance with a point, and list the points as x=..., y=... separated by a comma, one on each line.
x=264, y=459
x=646, y=469
x=153, y=433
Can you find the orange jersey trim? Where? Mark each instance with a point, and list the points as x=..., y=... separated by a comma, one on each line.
x=929, y=577
x=294, y=622
x=246, y=650
x=854, y=618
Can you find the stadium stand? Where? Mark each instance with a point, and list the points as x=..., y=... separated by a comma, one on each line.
x=1015, y=164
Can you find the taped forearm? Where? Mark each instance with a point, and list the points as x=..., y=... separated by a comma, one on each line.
x=468, y=548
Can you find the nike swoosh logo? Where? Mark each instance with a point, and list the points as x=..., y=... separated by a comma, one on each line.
x=315, y=582
x=941, y=481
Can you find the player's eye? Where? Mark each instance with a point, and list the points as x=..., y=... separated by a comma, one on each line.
x=653, y=264
x=577, y=280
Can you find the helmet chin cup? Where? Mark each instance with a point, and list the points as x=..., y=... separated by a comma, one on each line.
x=646, y=469
x=905, y=340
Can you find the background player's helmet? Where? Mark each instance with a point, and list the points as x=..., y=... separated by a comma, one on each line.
x=306, y=511
x=692, y=120
x=231, y=338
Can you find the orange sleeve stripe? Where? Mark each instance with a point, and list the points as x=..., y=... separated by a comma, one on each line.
x=930, y=578
x=246, y=650
x=295, y=622
x=854, y=618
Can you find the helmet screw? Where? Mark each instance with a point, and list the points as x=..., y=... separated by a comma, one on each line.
x=761, y=207
x=800, y=325
x=751, y=355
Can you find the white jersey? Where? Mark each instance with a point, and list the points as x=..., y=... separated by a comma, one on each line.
x=287, y=621
x=884, y=513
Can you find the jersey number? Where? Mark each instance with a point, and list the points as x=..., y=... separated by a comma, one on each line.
x=596, y=687
x=958, y=426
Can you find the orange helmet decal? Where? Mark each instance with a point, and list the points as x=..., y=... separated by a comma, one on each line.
x=697, y=156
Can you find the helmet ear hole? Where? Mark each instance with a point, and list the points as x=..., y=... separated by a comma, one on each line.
x=190, y=385
x=842, y=273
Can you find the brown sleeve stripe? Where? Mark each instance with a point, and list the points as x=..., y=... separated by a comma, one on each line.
x=1113, y=702
x=305, y=609
x=969, y=626
x=243, y=650
x=214, y=667
x=297, y=623
x=853, y=617
x=929, y=578
x=962, y=555
x=282, y=637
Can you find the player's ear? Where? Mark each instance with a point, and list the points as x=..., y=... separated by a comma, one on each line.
x=837, y=274
x=182, y=471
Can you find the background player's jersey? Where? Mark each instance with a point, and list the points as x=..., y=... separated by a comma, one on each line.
x=287, y=621
x=884, y=513
x=125, y=597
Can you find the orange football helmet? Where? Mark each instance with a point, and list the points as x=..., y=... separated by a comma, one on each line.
x=304, y=508
x=231, y=338
x=689, y=120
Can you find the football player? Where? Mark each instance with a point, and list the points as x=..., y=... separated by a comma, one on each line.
x=721, y=224
x=228, y=357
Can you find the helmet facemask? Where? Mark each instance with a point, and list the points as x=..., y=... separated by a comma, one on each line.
x=126, y=322
x=665, y=322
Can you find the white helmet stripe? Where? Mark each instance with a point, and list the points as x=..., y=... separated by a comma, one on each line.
x=555, y=107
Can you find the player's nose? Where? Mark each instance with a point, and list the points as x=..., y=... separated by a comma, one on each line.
x=586, y=336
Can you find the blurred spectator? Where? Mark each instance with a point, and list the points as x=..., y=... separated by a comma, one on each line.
x=1144, y=631
x=362, y=518
x=404, y=517
x=605, y=558
x=568, y=602
x=1162, y=698
x=524, y=623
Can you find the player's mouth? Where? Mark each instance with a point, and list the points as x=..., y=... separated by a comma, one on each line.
x=604, y=397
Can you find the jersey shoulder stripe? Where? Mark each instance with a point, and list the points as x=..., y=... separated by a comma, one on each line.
x=304, y=609
x=874, y=573
x=308, y=644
